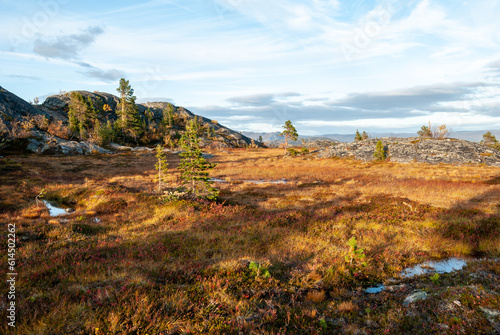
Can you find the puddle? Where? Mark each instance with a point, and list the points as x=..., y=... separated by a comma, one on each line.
x=217, y=180
x=444, y=266
x=375, y=289
x=55, y=211
x=282, y=181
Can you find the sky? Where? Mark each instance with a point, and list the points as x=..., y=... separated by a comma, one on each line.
x=329, y=66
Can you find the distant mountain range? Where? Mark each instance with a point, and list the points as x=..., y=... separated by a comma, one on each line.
x=274, y=138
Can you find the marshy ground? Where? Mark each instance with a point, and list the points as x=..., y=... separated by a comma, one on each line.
x=267, y=258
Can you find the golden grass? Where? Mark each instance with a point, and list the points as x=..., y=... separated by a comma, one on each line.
x=334, y=179
x=316, y=296
x=347, y=307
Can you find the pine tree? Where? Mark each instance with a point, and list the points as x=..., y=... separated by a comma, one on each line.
x=135, y=126
x=290, y=133
x=364, y=135
x=92, y=114
x=379, y=153
x=260, y=139
x=161, y=167
x=126, y=92
x=194, y=167
x=489, y=138
x=170, y=115
x=130, y=120
x=425, y=131
x=196, y=123
x=357, y=137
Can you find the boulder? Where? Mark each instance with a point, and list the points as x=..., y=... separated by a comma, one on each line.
x=43, y=144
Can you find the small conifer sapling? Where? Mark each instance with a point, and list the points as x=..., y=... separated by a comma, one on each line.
x=379, y=153
x=194, y=167
x=161, y=167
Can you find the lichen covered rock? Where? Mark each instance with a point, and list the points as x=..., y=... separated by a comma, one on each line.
x=405, y=150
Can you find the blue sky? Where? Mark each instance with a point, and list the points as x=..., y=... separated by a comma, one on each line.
x=330, y=66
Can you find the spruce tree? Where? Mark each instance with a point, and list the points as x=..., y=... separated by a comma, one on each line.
x=290, y=133
x=194, y=167
x=161, y=167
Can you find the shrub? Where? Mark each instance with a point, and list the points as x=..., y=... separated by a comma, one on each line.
x=292, y=152
x=440, y=133
x=256, y=270
x=495, y=146
x=491, y=141
x=57, y=128
x=356, y=255
x=101, y=134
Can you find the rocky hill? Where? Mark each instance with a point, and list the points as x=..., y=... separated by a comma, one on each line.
x=53, y=112
x=424, y=150
x=13, y=108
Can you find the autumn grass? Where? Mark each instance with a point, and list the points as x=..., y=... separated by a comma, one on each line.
x=266, y=258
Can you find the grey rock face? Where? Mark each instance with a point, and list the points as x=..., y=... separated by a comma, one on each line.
x=405, y=150
x=14, y=108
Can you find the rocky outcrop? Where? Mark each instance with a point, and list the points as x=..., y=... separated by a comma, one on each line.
x=405, y=150
x=13, y=108
x=42, y=143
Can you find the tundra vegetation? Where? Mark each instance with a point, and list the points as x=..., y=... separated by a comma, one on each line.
x=266, y=258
